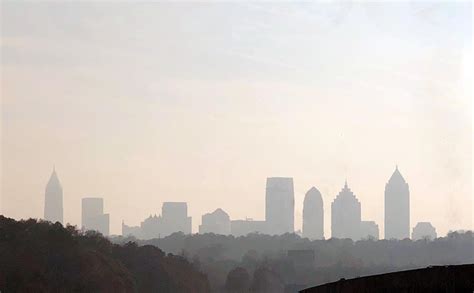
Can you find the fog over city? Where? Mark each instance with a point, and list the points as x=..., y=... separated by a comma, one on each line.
x=145, y=103
x=236, y=146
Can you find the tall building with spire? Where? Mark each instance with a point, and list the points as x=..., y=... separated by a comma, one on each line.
x=313, y=215
x=279, y=205
x=53, y=201
x=397, y=207
x=345, y=215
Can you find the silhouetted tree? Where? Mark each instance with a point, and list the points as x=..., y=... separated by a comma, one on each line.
x=38, y=256
x=238, y=281
x=265, y=280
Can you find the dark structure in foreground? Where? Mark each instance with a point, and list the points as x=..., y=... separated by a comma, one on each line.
x=456, y=278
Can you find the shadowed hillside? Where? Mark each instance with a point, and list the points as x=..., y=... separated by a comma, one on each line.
x=300, y=263
x=40, y=256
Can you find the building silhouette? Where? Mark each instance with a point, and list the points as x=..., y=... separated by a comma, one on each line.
x=369, y=230
x=217, y=222
x=424, y=230
x=279, y=205
x=345, y=215
x=134, y=231
x=173, y=218
x=93, y=217
x=247, y=226
x=151, y=227
x=397, y=207
x=53, y=200
x=313, y=215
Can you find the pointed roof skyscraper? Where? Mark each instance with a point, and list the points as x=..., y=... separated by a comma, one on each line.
x=396, y=176
x=397, y=207
x=345, y=214
x=53, y=203
x=53, y=181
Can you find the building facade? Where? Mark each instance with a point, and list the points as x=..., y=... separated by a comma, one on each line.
x=313, y=215
x=247, y=226
x=173, y=218
x=93, y=217
x=424, y=230
x=397, y=207
x=53, y=200
x=369, y=230
x=217, y=222
x=345, y=215
x=279, y=205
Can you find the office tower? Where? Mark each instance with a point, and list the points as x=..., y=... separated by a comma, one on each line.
x=279, y=205
x=53, y=201
x=313, y=215
x=93, y=217
x=345, y=215
x=175, y=218
x=397, y=207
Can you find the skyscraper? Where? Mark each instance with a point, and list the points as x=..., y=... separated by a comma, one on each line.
x=397, y=207
x=345, y=215
x=174, y=216
x=279, y=205
x=53, y=200
x=93, y=217
x=313, y=215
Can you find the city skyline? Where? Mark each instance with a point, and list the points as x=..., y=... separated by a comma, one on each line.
x=200, y=102
x=346, y=216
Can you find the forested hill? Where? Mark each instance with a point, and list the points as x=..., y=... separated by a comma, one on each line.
x=37, y=256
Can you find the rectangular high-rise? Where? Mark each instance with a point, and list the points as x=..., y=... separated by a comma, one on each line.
x=93, y=217
x=174, y=216
x=279, y=205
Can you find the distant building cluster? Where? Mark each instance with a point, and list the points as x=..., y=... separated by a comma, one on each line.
x=346, y=220
x=173, y=218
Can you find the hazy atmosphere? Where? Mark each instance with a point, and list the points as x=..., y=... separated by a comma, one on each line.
x=201, y=102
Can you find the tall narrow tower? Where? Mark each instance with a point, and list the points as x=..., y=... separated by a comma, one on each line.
x=53, y=201
x=313, y=215
x=279, y=206
x=397, y=207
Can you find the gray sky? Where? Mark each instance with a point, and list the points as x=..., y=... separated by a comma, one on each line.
x=200, y=102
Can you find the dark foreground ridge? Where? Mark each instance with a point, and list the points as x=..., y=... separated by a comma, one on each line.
x=446, y=279
x=38, y=256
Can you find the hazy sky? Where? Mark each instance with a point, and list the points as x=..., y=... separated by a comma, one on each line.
x=200, y=102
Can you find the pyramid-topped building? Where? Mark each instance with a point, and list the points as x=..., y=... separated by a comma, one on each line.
x=397, y=207
x=53, y=201
x=345, y=215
